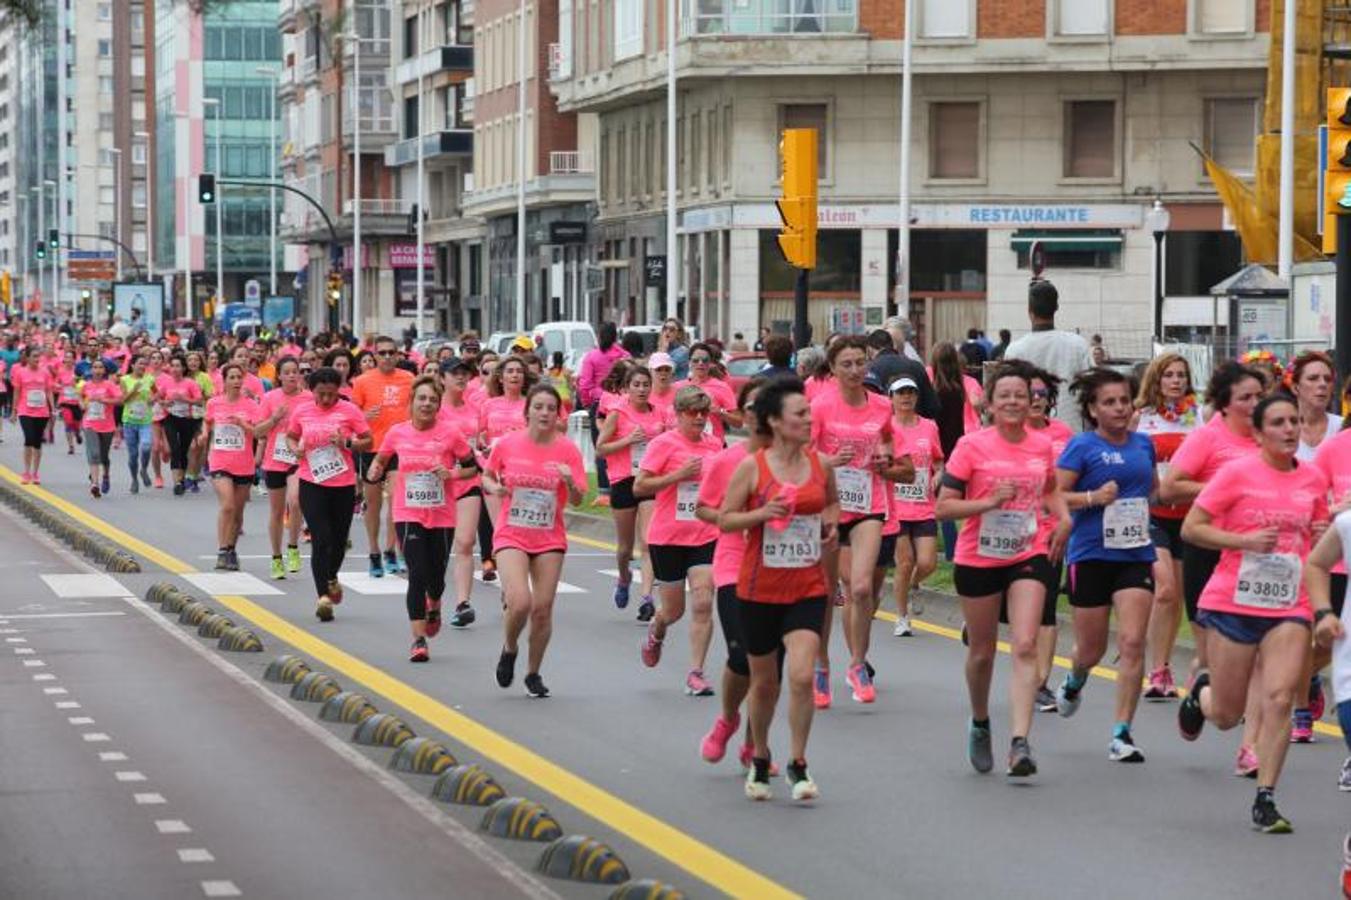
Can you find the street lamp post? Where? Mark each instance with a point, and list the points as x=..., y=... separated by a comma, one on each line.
x=53, y=259
x=903, y=233
x=356, y=183
x=1157, y=220
x=421, y=194
x=42, y=232
x=25, y=245
x=117, y=207
x=672, y=271
x=149, y=208
x=520, y=169
x=275, y=75
x=215, y=104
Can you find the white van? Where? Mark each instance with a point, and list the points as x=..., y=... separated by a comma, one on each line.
x=573, y=338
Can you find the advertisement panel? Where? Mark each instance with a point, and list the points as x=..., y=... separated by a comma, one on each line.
x=140, y=305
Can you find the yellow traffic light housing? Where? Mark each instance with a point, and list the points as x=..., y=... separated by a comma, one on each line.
x=334, y=291
x=1337, y=176
x=797, y=203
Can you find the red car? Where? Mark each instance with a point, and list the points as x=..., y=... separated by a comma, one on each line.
x=742, y=367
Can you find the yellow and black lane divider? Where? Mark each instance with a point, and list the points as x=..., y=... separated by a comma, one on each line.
x=240, y=640
x=577, y=857
x=286, y=669
x=214, y=625
x=348, y=707
x=646, y=889
x=467, y=786
x=66, y=529
x=421, y=756
x=382, y=730
x=194, y=613
x=315, y=687
x=520, y=820
x=210, y=624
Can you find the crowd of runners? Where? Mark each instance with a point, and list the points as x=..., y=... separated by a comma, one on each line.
x=777, y=510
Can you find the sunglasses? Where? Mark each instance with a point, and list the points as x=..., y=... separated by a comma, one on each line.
x=1041, y=392
x=387, y=353
x=305, y=370
x=701, y=359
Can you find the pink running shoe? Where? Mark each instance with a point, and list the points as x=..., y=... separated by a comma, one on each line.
x=1161, y=685
x=714, y=746
x=861, y=684
x=696, y=685
x=25, y=478
x=821, y=688
x=745, y=755
x=1245, y=766
x=651, y=650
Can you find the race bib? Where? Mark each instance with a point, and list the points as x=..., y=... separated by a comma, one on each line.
x=138, y=409
x=1005, y=533
x=227, y=437
x=199, y=410
x=795, y=546
x=282, y=453
x=180, y=408
x=532, y=508
x=855, y=487
x=36, y=397
x=1268, y=580
x=1125, y=524
x=68, y=394
x=687, y=501
x=423, y=490
x=326, y=463
x=95, y=410
x=1162, y=469
x=915, y=492
x=636, y=453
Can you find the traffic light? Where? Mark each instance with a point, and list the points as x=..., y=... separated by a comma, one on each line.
x=39, y=249
x=6, y=288
x=797, y=203
x=54, y=238
x=1337, y=177
x=206, y=188
x=334, y=290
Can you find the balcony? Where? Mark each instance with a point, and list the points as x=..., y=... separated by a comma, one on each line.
x=287, y=12
x=379, y=207
x=452, y=142
x=446, y=58
x=571, y=162
x=768, y=17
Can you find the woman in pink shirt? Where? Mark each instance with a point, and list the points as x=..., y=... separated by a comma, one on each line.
x=662, y=395
x=176, y=392
x=432, y=454
x=231, y=419
x=501, y=412
x=532, y=474
x=1262, y=514
x=680, y=544
x=99, y=397
x=470, y=520
x=322, y=434
x=630, y=426
x=912, y=503
x=68, y=399
x=997, y=481
x=280, y=464
x=34, y=400
x=722, y=413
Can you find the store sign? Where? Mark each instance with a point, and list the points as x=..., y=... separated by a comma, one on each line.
x=567, y=232
x=927, y=215
x=654, y=271
x=404, y=256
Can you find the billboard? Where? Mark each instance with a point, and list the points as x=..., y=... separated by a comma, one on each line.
x=144, y=299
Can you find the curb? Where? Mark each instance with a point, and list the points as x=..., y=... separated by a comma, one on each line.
x=70, y=532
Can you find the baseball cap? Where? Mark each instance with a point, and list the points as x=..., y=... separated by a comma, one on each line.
x=523, y=342
x=660, y=360
x=454, y=362
x=871, y=382
x=903, y=383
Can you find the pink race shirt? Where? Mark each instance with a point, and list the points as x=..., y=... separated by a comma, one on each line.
x=67, y=393
x=531, y=518
x=722, y=398
x=915, y=502
x=321, y=462
x=277, y=455
x=1208, y=448
x=1333, y=459
x=101, y=398
x=983, y=460
x=464, y=418
x=673, y=520
x=420, y=495
x=1059, y=435
x=815, y=387
x=715, y=478
x=859, y=433
x=1248, y=495
x=664, y=404
x=498, y=417
x=623, y=463
x=178, y=396
x=32, y=391
x=231, y=434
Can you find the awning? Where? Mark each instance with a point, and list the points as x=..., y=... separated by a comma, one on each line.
x=1086, y=240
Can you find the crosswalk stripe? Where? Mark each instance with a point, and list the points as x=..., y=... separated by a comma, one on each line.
x=232, y=583
x=85, y=584
x=363, y=583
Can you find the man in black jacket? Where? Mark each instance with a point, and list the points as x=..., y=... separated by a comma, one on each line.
x=887, y=365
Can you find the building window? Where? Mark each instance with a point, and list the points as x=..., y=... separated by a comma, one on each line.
x=810, y=115
x=138, y=195
x=410, y=119
x=410, y=37
x=105, y=48
x=696, y=151
x=105, y=12
x=105, y=84
x=636, y=174
x=946, y=19
x=621, y=165
x=1081, y=18
x=1222, y=18
x=1231, y=133
x=628, y=28
x=138, y=154
x=1090, y=139
x=954, y=140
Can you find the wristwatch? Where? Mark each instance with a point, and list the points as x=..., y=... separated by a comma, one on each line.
x=1318, y=614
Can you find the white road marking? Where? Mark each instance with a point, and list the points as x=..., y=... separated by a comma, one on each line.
x=34, y=664
x=10, y=631
x=129, y=776
x=150, y=799
x=172, y=826
x=241, y=583
x=16, y=640
x=24, y=651
x=112, y=756
x=80, y=720
x=55, y=691
x=67, y=704
x=70, y=615
x=89, y=584
x=195, y=855
x=363, y=583
x=45, y=676
x=221, y=889
x=95, y=737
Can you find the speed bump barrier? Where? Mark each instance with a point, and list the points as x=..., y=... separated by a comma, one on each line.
x=421, y=756
x=520, y=820
x=214, y=625
x=174, y=601
x=157, y=592
x=382, y=730
x=315, y=687
x=646, y=889
x=349, y=706
x=468, y=786
x=580, y=858
x=66, y=529
x=240, y=640
x=286, y=669
x=194, y=613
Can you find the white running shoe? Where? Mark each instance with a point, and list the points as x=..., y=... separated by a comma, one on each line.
x=902, y=628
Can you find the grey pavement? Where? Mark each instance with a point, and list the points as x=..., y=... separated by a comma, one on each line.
x=901, y=810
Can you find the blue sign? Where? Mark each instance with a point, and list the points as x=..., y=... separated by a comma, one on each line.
x=277, y=310
x=141, y=306
x=1030, y=215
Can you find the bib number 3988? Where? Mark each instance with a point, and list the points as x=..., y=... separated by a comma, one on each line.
x=1005, y=533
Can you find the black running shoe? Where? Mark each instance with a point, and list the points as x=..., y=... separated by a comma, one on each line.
x=1190, y=718
x=645, y=612
x=463, y=616
x=534, y=686
x=506, y=669
x=1267, y=819
x=1021, y=763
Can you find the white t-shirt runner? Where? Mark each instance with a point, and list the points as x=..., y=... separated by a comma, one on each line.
x=1341, y=651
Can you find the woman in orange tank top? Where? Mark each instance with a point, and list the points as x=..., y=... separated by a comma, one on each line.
x=784, y=498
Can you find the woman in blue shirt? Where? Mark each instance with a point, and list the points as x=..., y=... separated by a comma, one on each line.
x=1107, y=478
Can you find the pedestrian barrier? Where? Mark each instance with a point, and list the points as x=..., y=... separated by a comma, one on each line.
x=158, y=591
x=382, y=730
x=421, y=756
x=348, y=707
x=214, y=625
x=315, y=687
x=67, y=530
x=194, y=613
x=286, y=669
x=646, y=889
x=240, y=640
x=580, y=858
x=174, y=601
x=520, y=820
x=468, y=786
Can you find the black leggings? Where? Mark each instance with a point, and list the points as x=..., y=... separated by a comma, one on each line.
x=328, y=512
x=34, y=429
x=485, y=531
x=179, y=432
x=427, y=553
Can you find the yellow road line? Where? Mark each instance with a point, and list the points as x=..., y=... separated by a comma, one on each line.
x=686, y=852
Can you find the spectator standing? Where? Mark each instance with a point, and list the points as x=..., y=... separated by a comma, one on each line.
x=1004, y=337
x=760, y=342
x=738, y=344
x=899, y=329
x=779, y=356
x=675, y=343
x=887, y=364
x=1062, y=353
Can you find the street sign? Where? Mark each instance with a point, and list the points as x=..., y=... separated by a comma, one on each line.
x=253, y=293
x=90, y=265
x=654, y=271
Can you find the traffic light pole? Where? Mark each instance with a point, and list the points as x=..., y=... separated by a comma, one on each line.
x=801, y=337
x=1343, y=294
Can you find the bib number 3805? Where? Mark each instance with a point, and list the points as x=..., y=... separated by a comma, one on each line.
x=1268, y=580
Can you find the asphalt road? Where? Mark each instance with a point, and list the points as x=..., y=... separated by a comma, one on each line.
x=901, y=811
